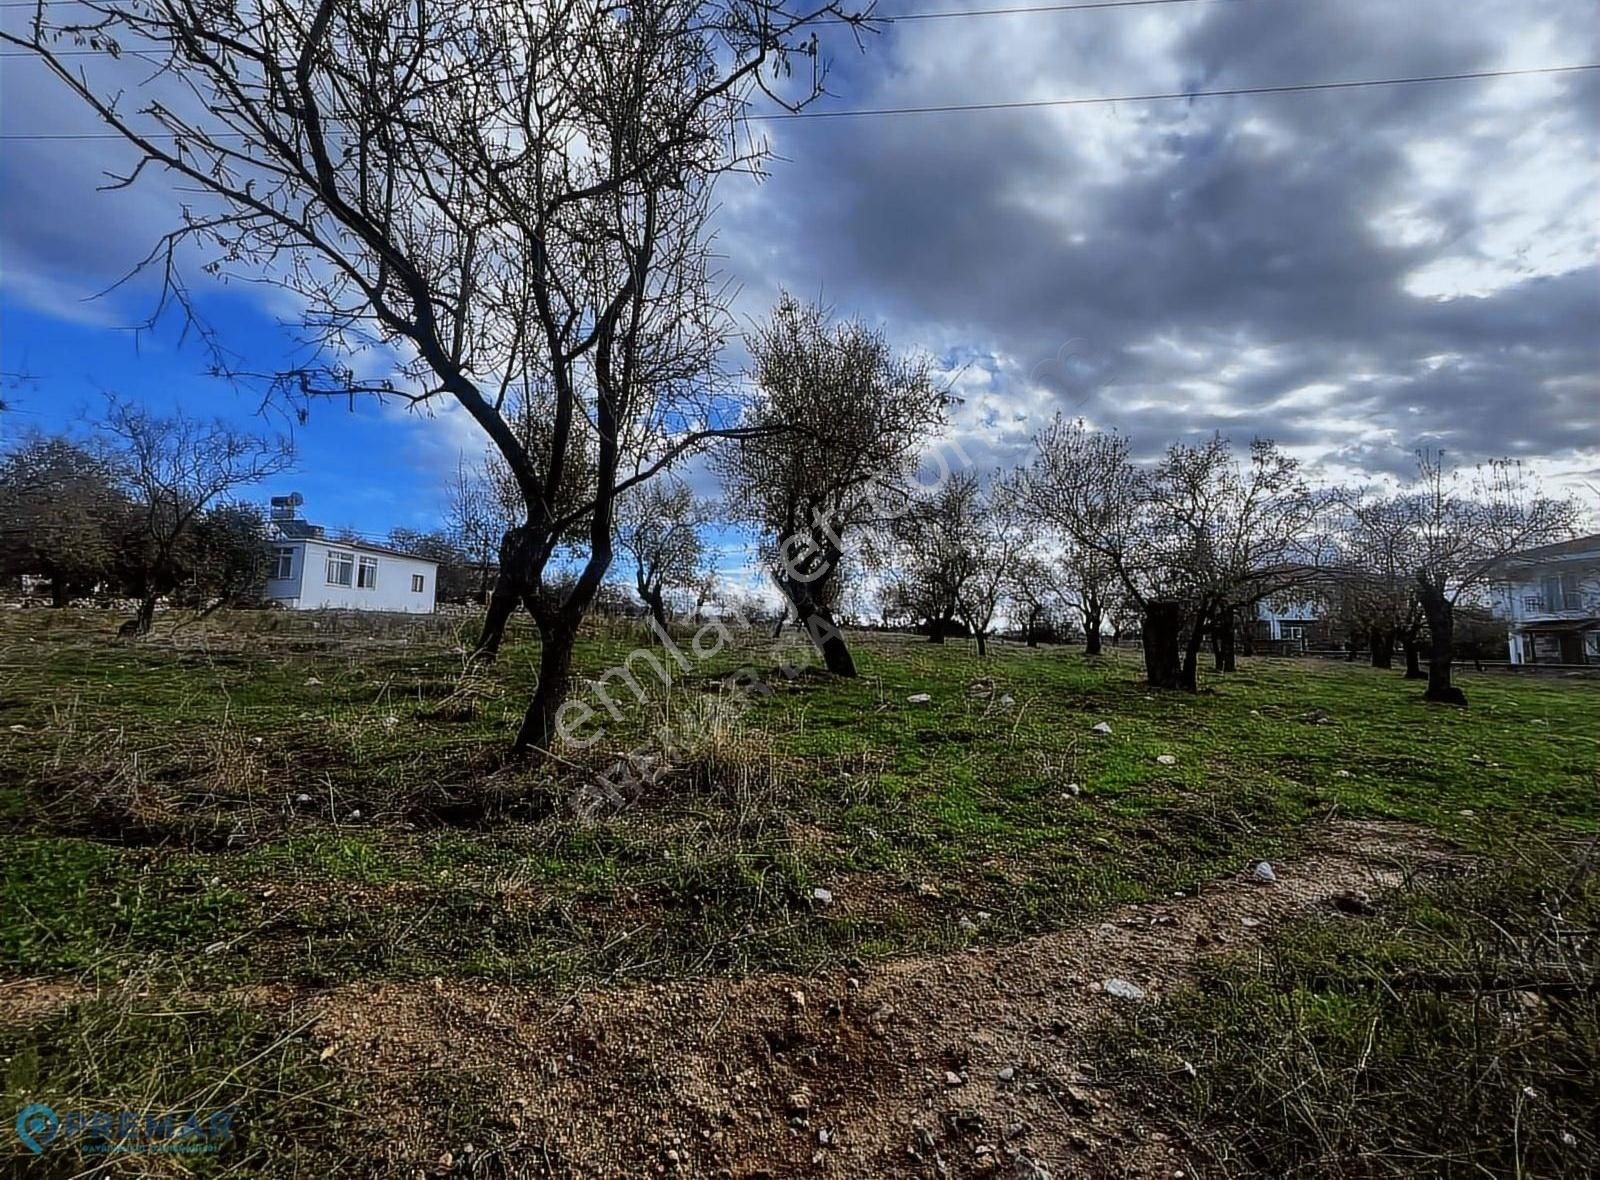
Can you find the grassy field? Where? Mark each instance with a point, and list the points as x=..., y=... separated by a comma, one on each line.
x=252, y=804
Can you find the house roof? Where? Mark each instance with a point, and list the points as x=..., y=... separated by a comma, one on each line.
x=1576, y=547
x=311, y=532
x=1560, y=625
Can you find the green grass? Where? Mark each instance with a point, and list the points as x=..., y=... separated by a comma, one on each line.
x=1456, y=1033
x=253, y=802
x=164, y=798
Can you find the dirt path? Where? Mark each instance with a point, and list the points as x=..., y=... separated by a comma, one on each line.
x=966, y=1064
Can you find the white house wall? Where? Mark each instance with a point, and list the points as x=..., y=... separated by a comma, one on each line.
x=307, y=587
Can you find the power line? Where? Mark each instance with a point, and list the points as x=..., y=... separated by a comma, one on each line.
x=1085, y=6
x=1096, y=100
x=1026, y=104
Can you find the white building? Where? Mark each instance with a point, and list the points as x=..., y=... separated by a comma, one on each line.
x=1550, y=599
x=311, y=572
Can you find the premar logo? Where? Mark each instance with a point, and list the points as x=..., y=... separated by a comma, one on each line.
x=125, y=1132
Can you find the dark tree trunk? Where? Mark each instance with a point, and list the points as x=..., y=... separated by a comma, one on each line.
x=1033, y=626
x=538, y=732
x=777, y=628
x=60, y=594
x=938, y=625
x=819, y=626
x=1381, y=643
x=1413, y=650
x=656, y=602
x=1247, y=639
x=983, y=645
x=141, y=622
x=1189, y=676
x=510, y=588
x=1441, y=635
x=1163, y=630
x=1222, y=636
x=1091, y=630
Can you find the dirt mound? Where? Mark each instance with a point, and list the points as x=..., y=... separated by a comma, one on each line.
x=966, y=1064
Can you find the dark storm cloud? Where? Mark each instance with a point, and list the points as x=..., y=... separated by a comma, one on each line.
x=1197, y=263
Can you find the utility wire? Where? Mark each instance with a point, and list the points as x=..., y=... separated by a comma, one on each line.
x=871, y=18
x=1027, y=104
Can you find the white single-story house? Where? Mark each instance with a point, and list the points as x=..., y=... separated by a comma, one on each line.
x=1550, y=599
x=310, y=572
x=1293, y=623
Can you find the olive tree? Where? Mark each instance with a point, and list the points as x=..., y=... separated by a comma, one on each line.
x=500, y=205
x=832, y=443
x=659, y=532
x=1461, y=530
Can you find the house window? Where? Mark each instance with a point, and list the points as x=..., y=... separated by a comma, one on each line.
x=283, y=563
x=341, y=568
x=418, y=583
x=367, y=575
x=1532, y=602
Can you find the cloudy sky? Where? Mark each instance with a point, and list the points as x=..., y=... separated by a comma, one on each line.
x=1354, y=273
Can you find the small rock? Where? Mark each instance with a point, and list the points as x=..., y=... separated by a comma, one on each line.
x=798, y=999
x=918, y=698
x=356, y=814
x=822, y=896
x=1122, y=989
x=19, y=729
x=1342, y=774
x=1353, y=901
x=302, y=799
x=1166, y=760
x=927, y=889
x=447, y=1161
x=951, y=1078
x=1262, y=872
x=1008, y=699
x=1006, y=1074
x=1249, y=923
x=672, y=1155
x=967, y=924
x=312, y=682
x=1074, y=789
x=824, y=1136
x=1466, y=813
x=1100, y=727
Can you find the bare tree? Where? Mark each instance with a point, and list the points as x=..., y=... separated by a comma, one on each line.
x=659, y=531
x=1193, y=539
x=1462, y=529
x=175, y=469
x=508, y=199
x=936, y=549
x=1084, y=483
x=832, y=441
x=1374, y=585
x=1002, y=538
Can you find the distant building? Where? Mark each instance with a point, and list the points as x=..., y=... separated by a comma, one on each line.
x=1550, y=599
x=310, y=572
x=1293, y=625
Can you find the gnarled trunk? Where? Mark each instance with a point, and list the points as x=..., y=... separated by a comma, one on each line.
x=1222, y=639
x=557, y=639
x=819, y=626
x=1163, y=631
x=510, y=588
x=1437, y=608
x=145, y=619
x=1381, y=642
x=1189, y=676
x=1033, y=626
x=983, y=647
x=1091, y=629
